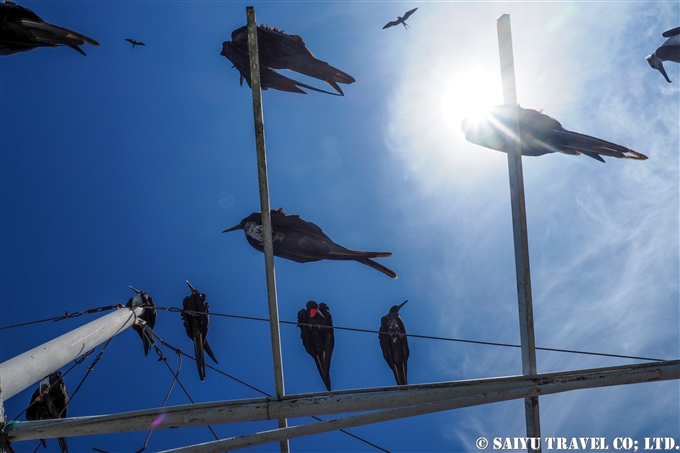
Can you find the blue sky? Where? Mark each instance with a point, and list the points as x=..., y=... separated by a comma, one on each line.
x=123, y=167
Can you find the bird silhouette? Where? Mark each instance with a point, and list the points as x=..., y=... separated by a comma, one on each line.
x=49, y=401
x=134, y=43
x=148, y=315
x=318, y=338
x=196, y=323
x=394, y=343
x=22, y=30
x=401, y=20
x=669, y=51
x=278, y=50
x=540, y=134
x=301, y=241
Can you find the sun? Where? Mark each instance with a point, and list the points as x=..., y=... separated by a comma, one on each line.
x=470, y=93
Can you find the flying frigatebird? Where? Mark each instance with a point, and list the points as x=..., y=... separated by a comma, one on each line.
x=142, y=299
x=196, y=323
x=278, y=50
x=394, y=343
x=22, y=30
x=318, y=338
x=401, y=20
x=134, y=43
x=302, y=241
x=540, y=134
x=49, y=401
x=669, y=51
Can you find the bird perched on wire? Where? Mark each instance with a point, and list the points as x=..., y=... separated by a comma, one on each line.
x=669, y=51
x=196, y=323
x=301, y=241
x=539, y=134
x=148, y=315
x=401, y=20
x=394, y=343
x=316, y=330
x=134, y=43
x=278, y=50
x=49, y=401
x=22, y=30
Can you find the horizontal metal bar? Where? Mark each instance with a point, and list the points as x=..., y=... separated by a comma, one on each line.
x=292, y=406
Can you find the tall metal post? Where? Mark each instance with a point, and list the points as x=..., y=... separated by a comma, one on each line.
x=265, y=210
x=519, y=224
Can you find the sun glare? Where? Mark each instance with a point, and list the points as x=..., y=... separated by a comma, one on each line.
x=470, y=93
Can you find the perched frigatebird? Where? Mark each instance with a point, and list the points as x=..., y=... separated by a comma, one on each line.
x=401, y=20
x=134, y=43
x=302, y=242
x=669, y=51
x=148, y=315
x=318, y=338
x=394, y=343
x=49, y=401
x=196, y=323
x=539, y=133
x=22, y=30
x=278, y=50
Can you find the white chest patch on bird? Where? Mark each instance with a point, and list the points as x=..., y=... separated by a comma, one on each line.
x=254, y=231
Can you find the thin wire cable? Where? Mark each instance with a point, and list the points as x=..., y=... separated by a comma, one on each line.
x=430, y=337
x=66, y=316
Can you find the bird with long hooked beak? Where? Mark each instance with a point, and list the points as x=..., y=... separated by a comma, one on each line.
x=316, y=330
x=49, y=401
x=539, y=134
x=301, y=241
x=278, y=50
x=669, y=51
x=148, y=315
x=22, y=30
x=401, y=20
x=134, y=43
x=196, y=323
x=394, y=343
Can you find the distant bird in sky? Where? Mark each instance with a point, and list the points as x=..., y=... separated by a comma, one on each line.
x=135, y=43
x=669, y=51
x=401, y=20
x=300, y=241
x=148, y=316
x=196, y=324
x=394, y=343
x=49, y=401
x=318, y=339
x=22, y=30
x=278, y=50
x=540, y=134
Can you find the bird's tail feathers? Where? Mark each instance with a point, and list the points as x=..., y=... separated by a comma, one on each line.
x=62, y=444
x=200, y=357
x=379, y=267
x=207, y=349
x=591, y=145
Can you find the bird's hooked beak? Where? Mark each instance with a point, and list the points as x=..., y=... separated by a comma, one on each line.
x=193, y=290
x=135, y=290
x=234, y=228
x=657, y=64
x=401, y=305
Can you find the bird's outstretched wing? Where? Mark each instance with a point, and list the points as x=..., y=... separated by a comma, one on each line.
x=591, y=146
x=408, y=13
x=391, y=24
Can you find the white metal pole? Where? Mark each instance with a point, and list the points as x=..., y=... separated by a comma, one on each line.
x=265, y=210
x=457, y=394
x=519, y=225
x=22, y=371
